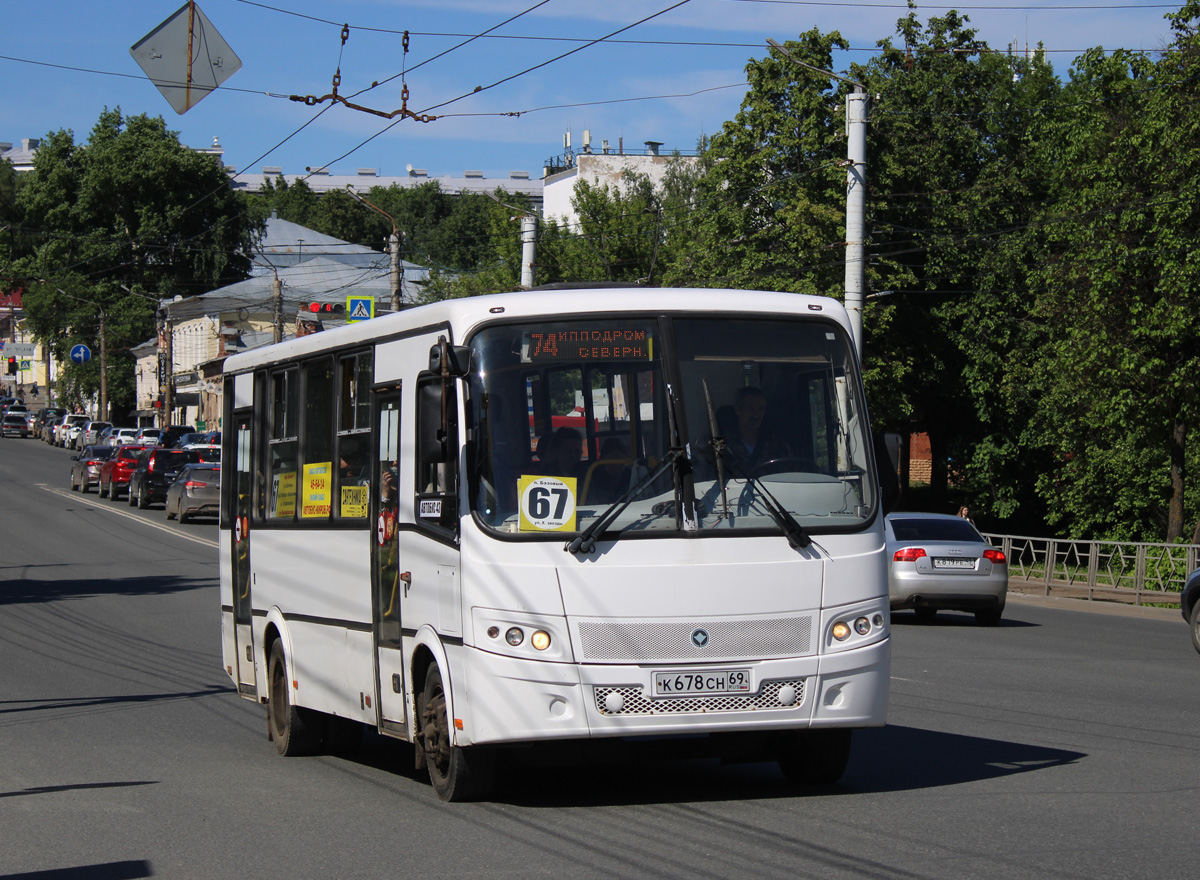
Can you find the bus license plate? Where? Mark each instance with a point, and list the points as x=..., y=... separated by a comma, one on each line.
x=709, y=681
x=939, y=562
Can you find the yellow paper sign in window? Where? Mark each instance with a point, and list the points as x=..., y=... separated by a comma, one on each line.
x=547, y=503
x=283, y=494
x=354, y=501
x=315, y=494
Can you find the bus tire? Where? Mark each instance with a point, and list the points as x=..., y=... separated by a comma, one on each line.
x=456, y=774
x=295, y=731
x=814, y=757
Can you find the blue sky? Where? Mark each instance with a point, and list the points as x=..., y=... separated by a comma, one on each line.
x=65, y=60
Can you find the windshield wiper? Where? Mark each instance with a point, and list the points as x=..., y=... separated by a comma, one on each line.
x=585, y=541
x=796, y=535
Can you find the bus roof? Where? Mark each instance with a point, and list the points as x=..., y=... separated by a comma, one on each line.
x=466, y=313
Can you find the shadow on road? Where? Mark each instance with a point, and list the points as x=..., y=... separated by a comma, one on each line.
x=658, y=771
x=955, y=618
x=107, y=871
x=50, y=589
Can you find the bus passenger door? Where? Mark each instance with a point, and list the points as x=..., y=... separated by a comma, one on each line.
x=240, y=505
x=385, y=569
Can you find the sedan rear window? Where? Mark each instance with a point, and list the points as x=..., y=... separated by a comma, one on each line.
x=934, y=530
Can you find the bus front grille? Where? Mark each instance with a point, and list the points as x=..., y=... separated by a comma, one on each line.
x=760, y=638
x=635, y=701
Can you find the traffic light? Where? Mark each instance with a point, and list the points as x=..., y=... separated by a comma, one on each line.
x=327, y=308
x=12, y=366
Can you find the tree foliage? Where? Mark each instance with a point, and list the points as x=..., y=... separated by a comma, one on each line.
x=112, y=225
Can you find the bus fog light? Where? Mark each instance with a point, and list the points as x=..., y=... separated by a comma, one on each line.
x=614, y=703
x=540, y=640
x=862, y=626
x=514, y=636
x=787, y=695
x=841, y=631
x=493, y=632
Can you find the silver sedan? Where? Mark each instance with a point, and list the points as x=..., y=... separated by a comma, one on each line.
x=195, y=492
x=941, y=562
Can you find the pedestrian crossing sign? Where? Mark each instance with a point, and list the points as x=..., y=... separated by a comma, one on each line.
x=359, y=308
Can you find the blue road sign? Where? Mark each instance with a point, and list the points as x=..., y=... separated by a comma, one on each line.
x=359, y=308
x=80, y=354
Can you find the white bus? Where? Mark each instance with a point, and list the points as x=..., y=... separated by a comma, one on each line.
x=559, y=515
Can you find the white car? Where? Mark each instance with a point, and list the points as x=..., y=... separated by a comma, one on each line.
x=89, y=434
x=121, y=436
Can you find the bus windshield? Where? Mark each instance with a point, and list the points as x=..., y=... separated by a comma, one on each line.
x=570, y=417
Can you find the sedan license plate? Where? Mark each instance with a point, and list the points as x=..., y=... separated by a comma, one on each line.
x=709, y=681
x=940, y=562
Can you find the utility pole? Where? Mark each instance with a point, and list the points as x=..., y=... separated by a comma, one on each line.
x=396, y=273
x=103, y=370
x=168, y=390
x=277, y=299
x=856, y=185
x=528, y=249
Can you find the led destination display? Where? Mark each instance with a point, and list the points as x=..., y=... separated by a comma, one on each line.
x=596, y=343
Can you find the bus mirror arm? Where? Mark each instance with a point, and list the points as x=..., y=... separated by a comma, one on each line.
x=585, y=541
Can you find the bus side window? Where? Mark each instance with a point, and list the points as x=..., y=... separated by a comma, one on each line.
x=437, y=452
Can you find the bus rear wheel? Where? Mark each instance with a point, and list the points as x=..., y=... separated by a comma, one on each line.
x=456, y=773
x=294, y=730
x=814, y=757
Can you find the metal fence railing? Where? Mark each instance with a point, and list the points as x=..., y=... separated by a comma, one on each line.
x=1120, y=570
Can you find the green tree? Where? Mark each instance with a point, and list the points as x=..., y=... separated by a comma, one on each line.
x=1117, y=294
x=116, y=223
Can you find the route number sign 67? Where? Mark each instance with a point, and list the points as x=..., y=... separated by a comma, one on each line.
x=547, y=503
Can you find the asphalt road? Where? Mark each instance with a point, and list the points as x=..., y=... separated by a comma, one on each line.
x=1061, y=744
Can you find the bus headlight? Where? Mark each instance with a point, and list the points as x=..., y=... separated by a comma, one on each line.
x=841, y=631
x=862, y=626
x=514, y=636
x=540, y=640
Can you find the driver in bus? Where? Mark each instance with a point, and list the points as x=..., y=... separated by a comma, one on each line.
x=563, y=453
x=751, y=445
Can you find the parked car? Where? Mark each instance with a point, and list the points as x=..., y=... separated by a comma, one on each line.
x=172, y=433
x=121, y=436
x=1189, y=604
x=114, y=473
x=195, y=492
x=941, y=562
x=46, y=421
x=206, y=454
x=156, y=469
x=147, y=436
x=13, y=425
x=85, y=467
x=89, y=434
x=68, y=426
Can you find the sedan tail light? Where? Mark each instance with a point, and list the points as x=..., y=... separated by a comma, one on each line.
x=196, y=484
x=996, y=556
x=908, y=554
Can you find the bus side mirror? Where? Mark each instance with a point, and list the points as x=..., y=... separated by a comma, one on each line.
x=431, y=443
x=887, y=461
x=457, y=359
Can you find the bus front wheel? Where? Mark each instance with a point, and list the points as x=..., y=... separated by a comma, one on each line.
x=814, y=757
x=456, y=773
x=294, y=730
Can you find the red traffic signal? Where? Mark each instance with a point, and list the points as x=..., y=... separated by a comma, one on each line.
x=327, y=308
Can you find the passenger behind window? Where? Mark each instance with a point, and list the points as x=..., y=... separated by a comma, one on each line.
x=608, y=477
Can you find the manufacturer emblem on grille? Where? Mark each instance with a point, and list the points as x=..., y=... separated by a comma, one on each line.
x=700, y=638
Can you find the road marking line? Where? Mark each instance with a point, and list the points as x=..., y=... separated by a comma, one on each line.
x=170, y=530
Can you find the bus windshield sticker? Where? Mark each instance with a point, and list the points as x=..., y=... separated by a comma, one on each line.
x=598, y=343
x=547, y=503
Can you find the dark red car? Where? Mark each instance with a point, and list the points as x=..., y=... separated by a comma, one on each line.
x=115, y=473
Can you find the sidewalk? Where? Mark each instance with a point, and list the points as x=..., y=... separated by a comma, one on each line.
x=1096, y=606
